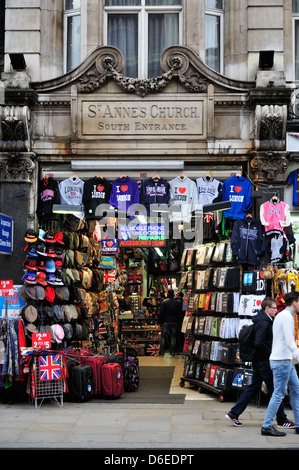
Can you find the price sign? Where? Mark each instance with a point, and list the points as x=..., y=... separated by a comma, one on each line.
x=6, y=288
x=41, y=340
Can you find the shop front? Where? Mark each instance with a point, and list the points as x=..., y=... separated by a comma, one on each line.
x=133, y=187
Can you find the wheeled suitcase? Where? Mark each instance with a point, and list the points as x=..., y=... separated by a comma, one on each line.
x=112, y=380
x=81, y=383
x=131, y=374
x=117, y=357
x=96, y=362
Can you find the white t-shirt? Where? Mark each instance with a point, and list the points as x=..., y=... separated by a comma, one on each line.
x=283, y=345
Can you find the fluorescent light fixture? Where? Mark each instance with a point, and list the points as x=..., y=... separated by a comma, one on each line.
x=124, y=164
x=216, y=206
x=67, y=209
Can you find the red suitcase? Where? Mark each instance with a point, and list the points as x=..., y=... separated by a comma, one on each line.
x=79, y=355
x=96, y=363
x=112, y=380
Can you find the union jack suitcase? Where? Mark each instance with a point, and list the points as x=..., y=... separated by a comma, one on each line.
x=112, y=380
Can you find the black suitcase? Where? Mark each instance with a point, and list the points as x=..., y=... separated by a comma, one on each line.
x=82, y=385
x=71, y=363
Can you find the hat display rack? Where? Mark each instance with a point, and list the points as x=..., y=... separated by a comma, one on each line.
x=63, y=286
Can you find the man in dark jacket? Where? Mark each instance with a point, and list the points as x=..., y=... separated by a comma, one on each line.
x=261, y=366
x=170, y=311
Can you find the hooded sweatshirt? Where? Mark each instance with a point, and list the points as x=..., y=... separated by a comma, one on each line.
x=48, y=194
x=154, y=191
x=183, y=193
x=237, y=190
x=124, y=193
x=71, y=192
x=248, y=241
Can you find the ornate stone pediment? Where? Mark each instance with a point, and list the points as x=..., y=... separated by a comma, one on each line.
x=177, y=63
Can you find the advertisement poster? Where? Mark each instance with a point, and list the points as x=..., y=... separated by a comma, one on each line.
x=14, y=304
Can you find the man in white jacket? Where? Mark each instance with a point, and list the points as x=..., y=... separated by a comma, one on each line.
x=283, y=356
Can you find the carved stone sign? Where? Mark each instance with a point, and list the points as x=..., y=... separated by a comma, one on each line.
x=106, y=116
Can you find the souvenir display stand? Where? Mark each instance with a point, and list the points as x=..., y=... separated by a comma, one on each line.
x=211, y=322
x=46, y=379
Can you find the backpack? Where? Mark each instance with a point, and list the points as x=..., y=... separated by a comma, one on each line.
x=246, y=342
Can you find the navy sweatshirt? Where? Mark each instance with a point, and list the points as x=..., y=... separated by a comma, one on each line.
x=154, y=191
x=248, y=241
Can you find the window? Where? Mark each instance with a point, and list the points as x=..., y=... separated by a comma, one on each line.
x=141, y=30
x=72, y=25
x=296, y=38
x=214, y=34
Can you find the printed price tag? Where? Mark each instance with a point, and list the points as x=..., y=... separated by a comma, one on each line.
x=41, y=340
x=6, y=288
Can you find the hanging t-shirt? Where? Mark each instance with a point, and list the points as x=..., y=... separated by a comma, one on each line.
x=96, y=192
x=71, y=192
x=237, y=190
x=47, y=195
x=124, y=193
x=293, y=178
x=183, y=194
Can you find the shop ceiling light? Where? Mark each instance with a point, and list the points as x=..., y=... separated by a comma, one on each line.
x=124, y=164
x=67, y=209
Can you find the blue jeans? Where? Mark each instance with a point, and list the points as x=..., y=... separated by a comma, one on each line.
x=261, y=373
x=284, y=377
x=168, y=328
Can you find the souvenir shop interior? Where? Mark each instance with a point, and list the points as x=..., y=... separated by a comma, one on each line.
x=96, y=269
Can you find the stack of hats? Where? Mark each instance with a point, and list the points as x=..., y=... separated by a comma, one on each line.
x=43, y=263
x=45, y=296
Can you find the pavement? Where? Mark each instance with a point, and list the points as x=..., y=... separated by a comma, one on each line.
x=117, y=429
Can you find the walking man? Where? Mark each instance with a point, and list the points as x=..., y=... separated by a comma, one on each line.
x=284, y=352
x=262, y=372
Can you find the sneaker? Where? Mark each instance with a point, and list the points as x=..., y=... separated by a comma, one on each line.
x=287, y=425
x=233, y=419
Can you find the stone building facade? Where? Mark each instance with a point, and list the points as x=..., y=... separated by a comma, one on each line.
x=95, y=118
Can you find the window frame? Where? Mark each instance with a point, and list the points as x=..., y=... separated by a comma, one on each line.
x=295, y=19
x=220, y=14
x=143, y=11
x=66, y=15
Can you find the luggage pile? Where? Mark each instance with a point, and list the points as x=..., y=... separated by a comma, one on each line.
x=92, y=375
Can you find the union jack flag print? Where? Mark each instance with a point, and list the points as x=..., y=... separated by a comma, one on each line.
x=153, y=349
x=50, y=367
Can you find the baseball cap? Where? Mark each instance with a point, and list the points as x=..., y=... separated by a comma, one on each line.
x=29, y=278
x=51, y=279
x=49, y=237
x=41, y=278
x=30, y=264
x=30, y=236
x=41, y=249
x=59, y=238
x=58, y=265
x=50, y=251
x=41, y=264
x=50, y=266
x=31, y=250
